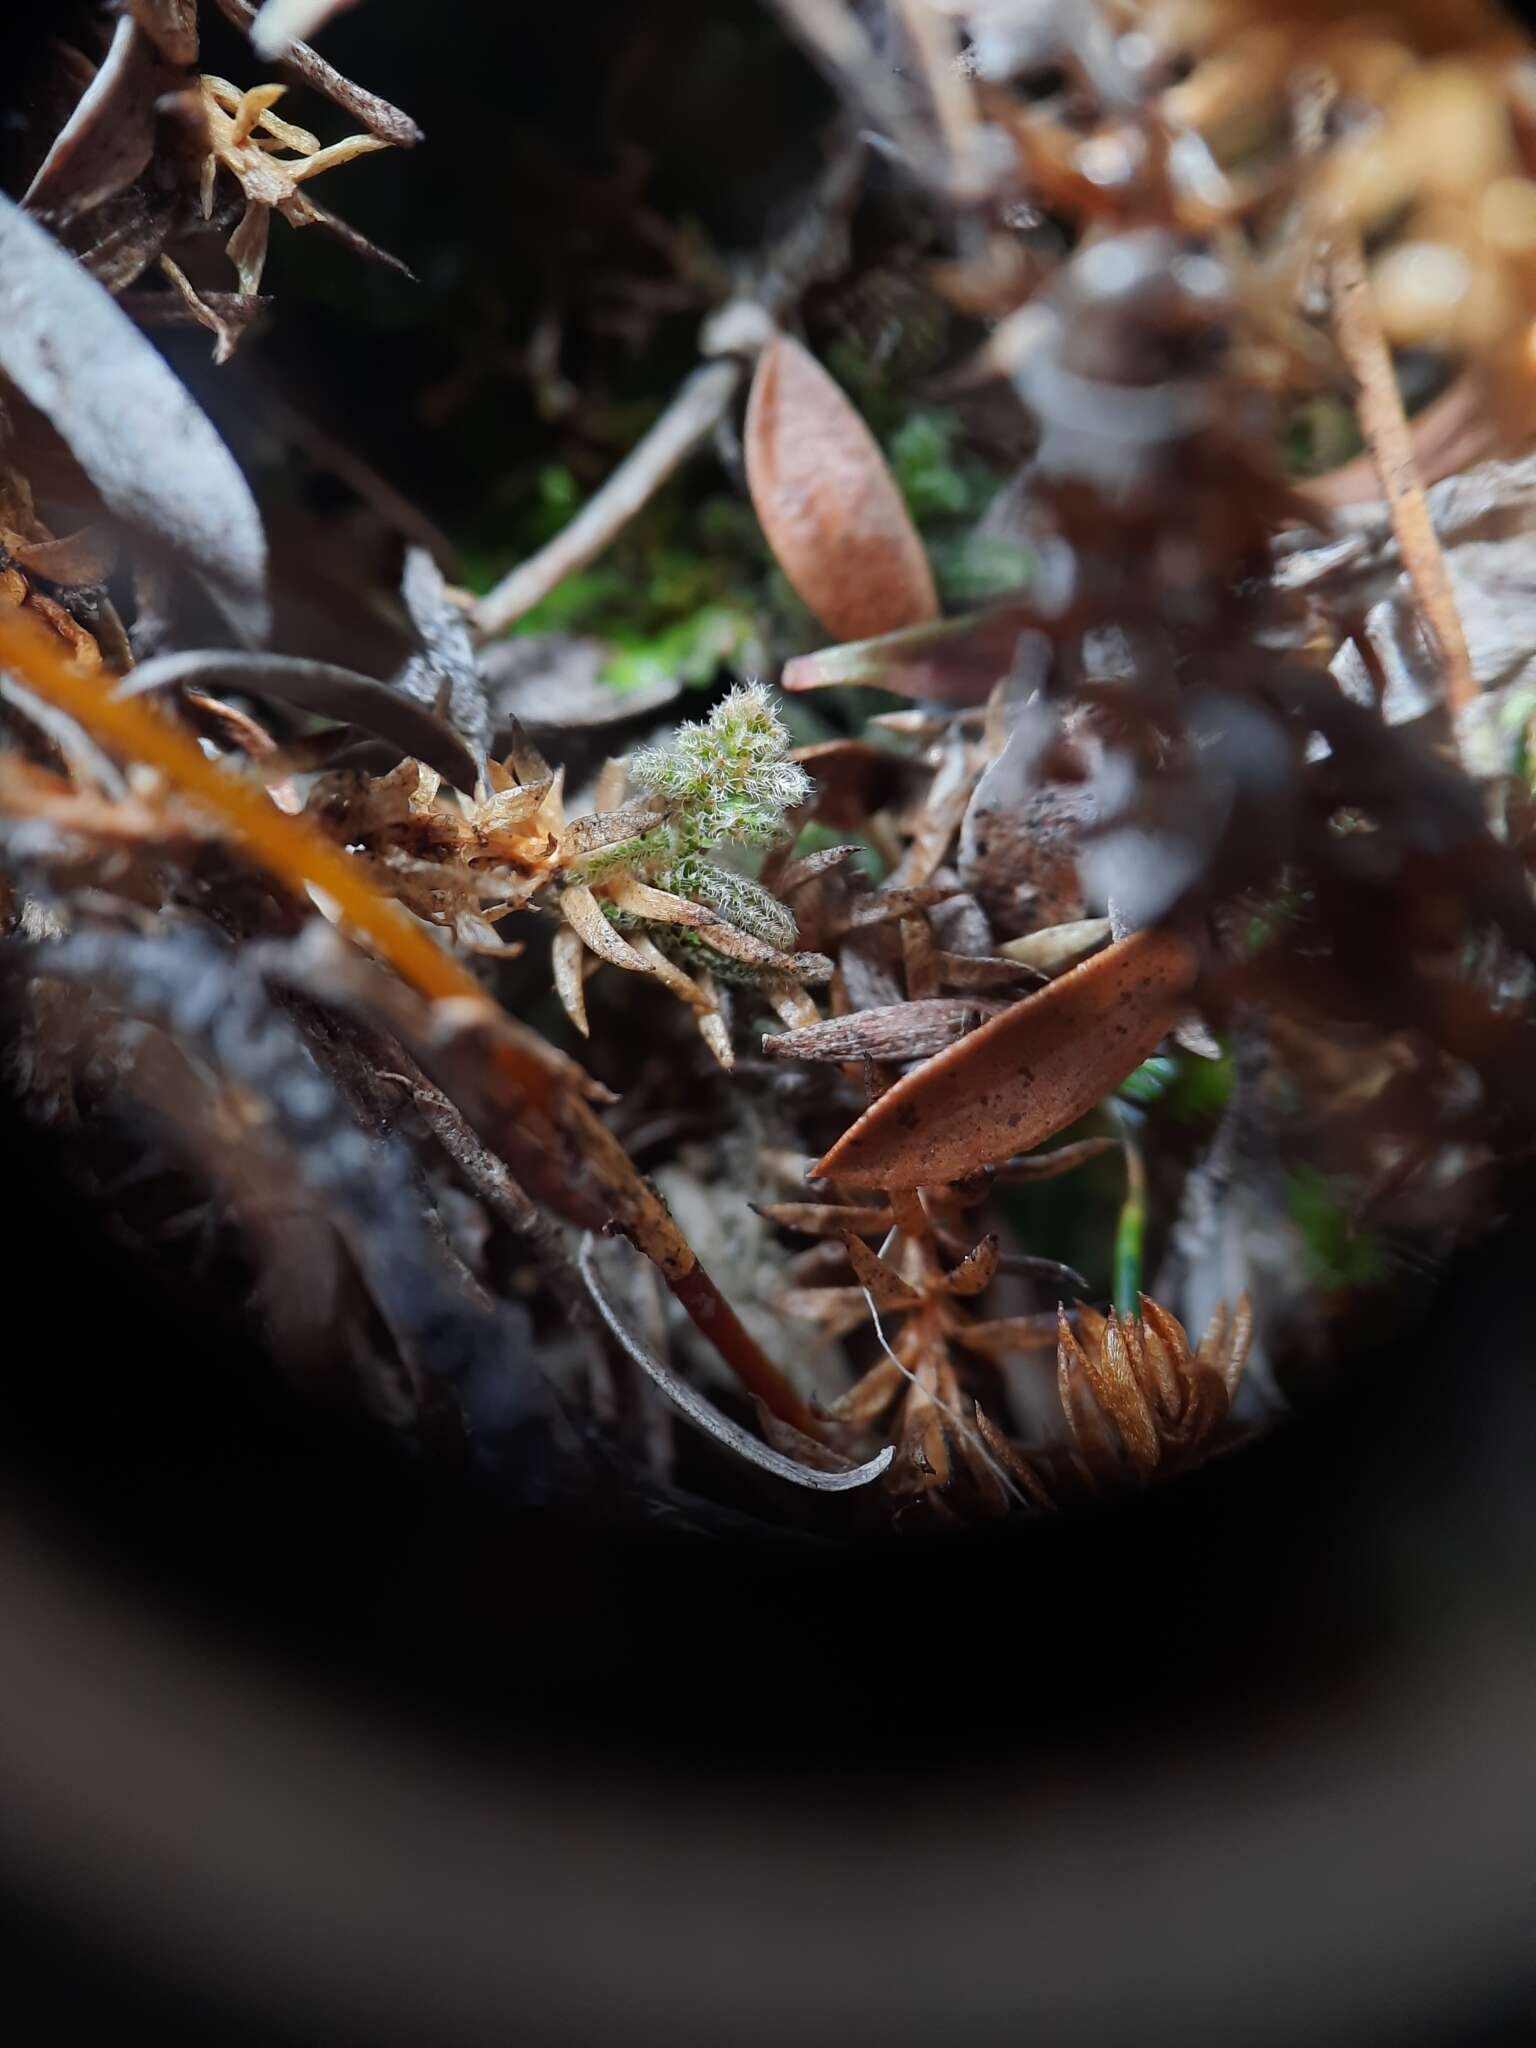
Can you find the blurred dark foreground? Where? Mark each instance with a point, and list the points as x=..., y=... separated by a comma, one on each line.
x=300, y=1743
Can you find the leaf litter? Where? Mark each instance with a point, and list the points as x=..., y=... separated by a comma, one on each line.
x=1163, y=963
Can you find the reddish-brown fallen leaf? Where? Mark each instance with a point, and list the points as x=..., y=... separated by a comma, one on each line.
x=1026, y=1074
x=828, y=504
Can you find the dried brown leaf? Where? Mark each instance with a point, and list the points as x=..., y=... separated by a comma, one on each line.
x=968, y=970
x=1007, y=1335
x=1058, y=946
x=1026, y=1074
x=828, y=504
x=567, y=961
x=886, y=1287
x=977, y=1270
x=1037, y=1166
x=825, y=1219
x=899, y=1031
x=834, y=1310
x=582, y=912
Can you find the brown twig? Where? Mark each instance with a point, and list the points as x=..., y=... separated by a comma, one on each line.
x=308, y=67
x=1384, y=427
x=688, y=421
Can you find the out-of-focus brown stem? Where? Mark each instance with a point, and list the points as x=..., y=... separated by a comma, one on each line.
x=1384, y=426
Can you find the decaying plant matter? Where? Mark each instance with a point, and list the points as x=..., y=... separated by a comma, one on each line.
x=1141, y=397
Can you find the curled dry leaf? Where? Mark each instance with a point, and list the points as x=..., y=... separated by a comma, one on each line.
x=132, y=427
x=1026, y=1074
x=321, y=687
x=899, y=1031
x=828, y=503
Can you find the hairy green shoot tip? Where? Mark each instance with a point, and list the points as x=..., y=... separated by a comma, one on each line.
x=729, y=776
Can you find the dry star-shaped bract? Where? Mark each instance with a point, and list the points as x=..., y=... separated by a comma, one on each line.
x=272, y=160
x=456, y=861
x=917, y=1300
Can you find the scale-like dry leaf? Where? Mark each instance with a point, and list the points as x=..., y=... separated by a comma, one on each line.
x=957, y=661
x=1007, y=1335
x=828, y=503
x=1160, y=1351
x=886, y=904
x=714, y=1028
x=581, y=910
x=659, y=906
x=884, y=1284
x=601, y=829
x=1058, y=946
x=979, y=971
x=792, y=1006
x=128, y=422
x=567, y=962
x=899, y=1031
x=1117, y=1390
x=810, y=866
x=825, y=1219
x=976, y=1271
x=320, y=687
x=834, y=1310
x=1037, y=1166
x=1026, y=1074
x=1086, y=1420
